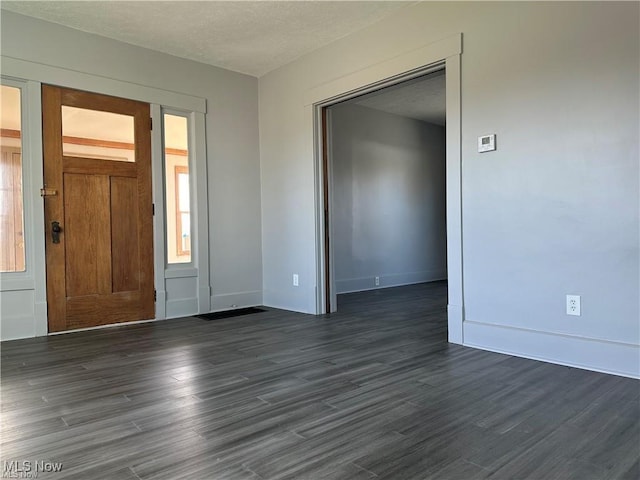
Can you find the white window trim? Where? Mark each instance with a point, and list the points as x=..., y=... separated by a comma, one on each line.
x=192, y=187
x=11, y=281
x=34, y=276
x=198, y=267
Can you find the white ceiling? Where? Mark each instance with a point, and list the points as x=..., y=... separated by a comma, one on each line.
x=252, y=37
x=422, y=99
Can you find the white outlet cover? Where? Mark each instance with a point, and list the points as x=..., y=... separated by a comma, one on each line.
x=573, y=305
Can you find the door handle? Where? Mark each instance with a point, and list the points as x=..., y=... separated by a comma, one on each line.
x=55, y=232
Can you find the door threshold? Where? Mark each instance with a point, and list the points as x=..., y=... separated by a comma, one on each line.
x=109, y=325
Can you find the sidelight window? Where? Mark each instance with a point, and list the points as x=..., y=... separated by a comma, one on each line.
x=12, y=246
x=178, y=200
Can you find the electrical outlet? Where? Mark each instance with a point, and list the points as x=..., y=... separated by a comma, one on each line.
x=296, y=280
x=573, y=305
x=377, y=280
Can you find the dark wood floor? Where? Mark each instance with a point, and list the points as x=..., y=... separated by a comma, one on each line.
x=373, y=391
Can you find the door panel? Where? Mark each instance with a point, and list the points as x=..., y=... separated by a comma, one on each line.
x=124, y=241
x=86, y=234
x=101, y=271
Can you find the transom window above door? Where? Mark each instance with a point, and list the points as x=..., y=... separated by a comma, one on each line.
x=97, y=135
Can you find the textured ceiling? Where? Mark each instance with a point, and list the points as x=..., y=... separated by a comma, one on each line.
x=422, y=99
x=252, y=37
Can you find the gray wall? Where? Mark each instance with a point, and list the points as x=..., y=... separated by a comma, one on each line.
x=388, y=213
x=554, y=211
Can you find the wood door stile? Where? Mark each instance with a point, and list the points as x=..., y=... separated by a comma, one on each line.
x=101, y=271
x=99, y=167
x=55, y=264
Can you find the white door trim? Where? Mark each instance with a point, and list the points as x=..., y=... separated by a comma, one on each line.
x=444, y=53
x=67, y=78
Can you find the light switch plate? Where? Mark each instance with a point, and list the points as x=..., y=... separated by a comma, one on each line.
x=487, y=143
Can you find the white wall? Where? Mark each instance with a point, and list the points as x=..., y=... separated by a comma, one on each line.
x=554, y=211
x=388, y=212
x=232, y=152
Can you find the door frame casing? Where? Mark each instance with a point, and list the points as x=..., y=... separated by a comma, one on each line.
x=33, y=278
x=199, y=266
x=442, y=54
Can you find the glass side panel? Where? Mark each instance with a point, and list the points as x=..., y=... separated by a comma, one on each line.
x=178, y=200
x=97, y=135
x=12, y=254
x=183, y=191
x=185, y=233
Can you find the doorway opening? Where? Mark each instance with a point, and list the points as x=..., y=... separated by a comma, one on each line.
x=445, y=54
x=385, y=164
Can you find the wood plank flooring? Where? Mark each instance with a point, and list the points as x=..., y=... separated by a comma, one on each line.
x=374, y=391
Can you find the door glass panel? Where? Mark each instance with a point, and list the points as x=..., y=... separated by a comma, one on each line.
x=12, y=252
x=183, y=191
x=178, y=204
x=97, y=135
x=185, y=233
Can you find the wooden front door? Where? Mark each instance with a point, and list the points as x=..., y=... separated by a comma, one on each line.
x=98, y=209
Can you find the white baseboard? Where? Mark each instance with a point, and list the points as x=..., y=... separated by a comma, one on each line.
x=161, y=304
x=182, y=307
x=362, y=284
x=295, y=299
x=41, y=322
x=228, y=301
x=15, y=327
x=454, y=323
x=599, y=355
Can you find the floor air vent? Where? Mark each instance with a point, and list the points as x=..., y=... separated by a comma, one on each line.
x=230, y=313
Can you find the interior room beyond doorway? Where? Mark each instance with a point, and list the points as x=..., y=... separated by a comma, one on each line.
x=387, y=192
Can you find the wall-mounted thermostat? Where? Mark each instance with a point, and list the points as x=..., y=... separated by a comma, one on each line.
x=486, y=143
